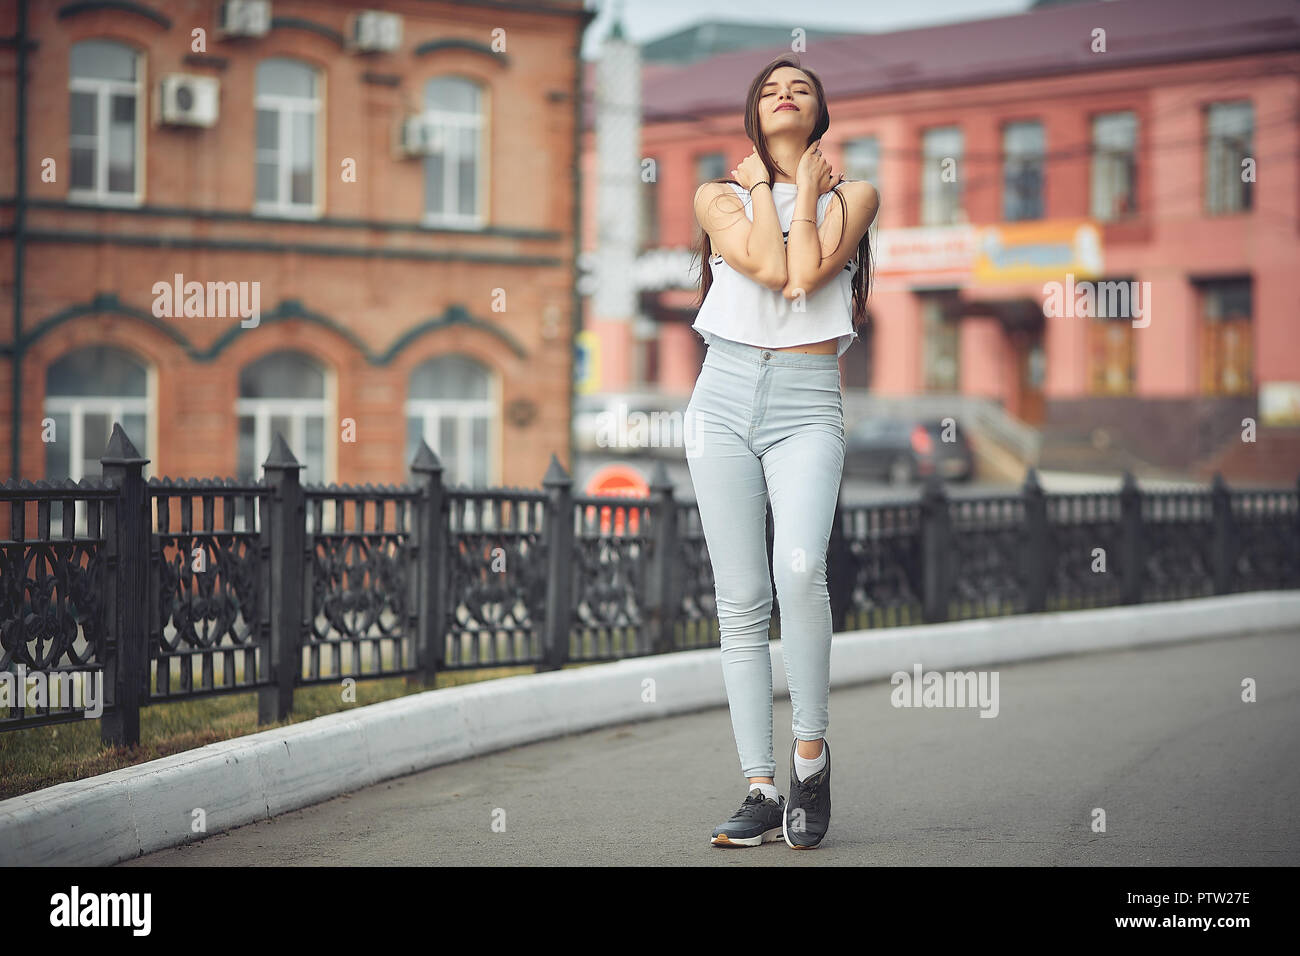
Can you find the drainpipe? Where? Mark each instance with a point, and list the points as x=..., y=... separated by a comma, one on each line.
x=584, y=21
x=20, y=218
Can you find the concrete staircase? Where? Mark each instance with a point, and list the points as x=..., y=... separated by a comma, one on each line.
x=1070, y=449
x=1003, y=446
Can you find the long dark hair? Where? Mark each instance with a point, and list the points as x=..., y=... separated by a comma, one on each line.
x=861, y=282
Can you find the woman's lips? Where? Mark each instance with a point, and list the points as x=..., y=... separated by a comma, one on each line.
x=787, y=106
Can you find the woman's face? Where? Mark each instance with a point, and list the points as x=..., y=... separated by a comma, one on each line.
x=787, y=102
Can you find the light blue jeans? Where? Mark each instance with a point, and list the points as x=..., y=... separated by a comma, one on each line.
x=762, y=423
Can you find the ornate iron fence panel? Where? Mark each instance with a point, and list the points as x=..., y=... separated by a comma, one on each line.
x=173, y=589
x=496, y=578
x=1083, y=553
x=360, y=584
x=611, y=554
x=988, y=545
x=882, y=553
x=209, y=608
x=1267, y=540
x=56, y=612
x=1177, y=545
x=697, y=610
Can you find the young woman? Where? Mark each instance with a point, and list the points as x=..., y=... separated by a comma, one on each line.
x=786, y=285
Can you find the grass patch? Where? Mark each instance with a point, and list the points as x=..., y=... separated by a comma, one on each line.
x=40, y=757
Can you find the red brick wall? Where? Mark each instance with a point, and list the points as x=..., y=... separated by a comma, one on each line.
x=528, y=149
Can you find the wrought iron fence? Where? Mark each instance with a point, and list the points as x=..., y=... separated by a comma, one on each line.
x=173, y=589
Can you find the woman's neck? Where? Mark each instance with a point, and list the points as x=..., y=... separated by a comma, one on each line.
x=786, y=153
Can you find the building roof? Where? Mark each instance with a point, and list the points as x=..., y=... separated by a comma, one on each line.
x=711, y=37
x=1046, y=40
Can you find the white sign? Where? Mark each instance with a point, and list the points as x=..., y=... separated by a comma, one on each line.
x=927, y=249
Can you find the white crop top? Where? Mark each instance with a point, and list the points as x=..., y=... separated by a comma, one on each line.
x=738, y=308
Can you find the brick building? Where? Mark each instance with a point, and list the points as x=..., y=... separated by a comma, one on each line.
x=388, y=190
x=1086, y=141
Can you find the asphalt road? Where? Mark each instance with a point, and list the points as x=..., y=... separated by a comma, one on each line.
x=1186, y=772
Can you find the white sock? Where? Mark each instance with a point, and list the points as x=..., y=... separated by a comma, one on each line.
x=769, y=790
x=805, y=767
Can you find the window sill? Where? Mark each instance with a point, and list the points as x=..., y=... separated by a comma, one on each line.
x=456, y=225
x=105, y=200
x=1127, y=230
x=288, y=213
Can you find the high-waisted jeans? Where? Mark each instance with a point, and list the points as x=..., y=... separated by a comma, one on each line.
x=762, y=423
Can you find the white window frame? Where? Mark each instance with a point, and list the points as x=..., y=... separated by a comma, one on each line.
x=464, y=412
x=297, y=410
x=1107, y=162
x=1015, y=156
x=103, y=91
x=1223, y=193
x=713, y=162
x=114, y=406
x=286, y=107
x=454, y=122
x=934, y=191
x=862, y=161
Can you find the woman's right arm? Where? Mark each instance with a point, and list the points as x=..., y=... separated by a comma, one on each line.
x=755, y=249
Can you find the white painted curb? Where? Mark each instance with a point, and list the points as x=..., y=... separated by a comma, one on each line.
x=122, y=814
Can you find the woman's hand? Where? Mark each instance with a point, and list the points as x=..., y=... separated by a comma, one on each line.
x=751, y=171
x=814, y=173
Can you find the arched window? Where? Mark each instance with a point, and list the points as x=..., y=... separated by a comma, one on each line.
x=284, y=392
x=103, y=124
x=288, y=108
x=86, y=391
x=453, y=171
x=452, y=405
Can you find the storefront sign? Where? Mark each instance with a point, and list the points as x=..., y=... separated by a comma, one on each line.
x=1038, y=251
x=1279, y=403
x=993, y=255
x=927, y=250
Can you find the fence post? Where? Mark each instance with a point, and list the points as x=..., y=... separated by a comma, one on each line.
x=288, y=520
x=431, y=542
x=661, y=591
x=559, y=566
x=1295, y=540
x=1132, y=558
x=1037, y=561
x=839, y=571
x=936, y=550
x=1224, y=540
x=769, y=536
x=128, y=669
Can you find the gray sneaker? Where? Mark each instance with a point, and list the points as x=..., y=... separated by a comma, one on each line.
x=813, y=798
x=757, y=821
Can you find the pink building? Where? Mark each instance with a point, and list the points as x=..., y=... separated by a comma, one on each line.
x=1087, y=216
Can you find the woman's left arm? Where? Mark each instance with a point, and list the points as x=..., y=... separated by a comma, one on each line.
x=812, y=258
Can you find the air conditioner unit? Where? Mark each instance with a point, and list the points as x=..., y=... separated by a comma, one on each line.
x=188, y=100
x=419, y=137
x=244, y=18
x=374, y=31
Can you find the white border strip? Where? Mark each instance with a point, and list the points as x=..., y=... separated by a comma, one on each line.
x=122, y=814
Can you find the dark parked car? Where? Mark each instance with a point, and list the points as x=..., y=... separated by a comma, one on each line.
x=903, y=451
